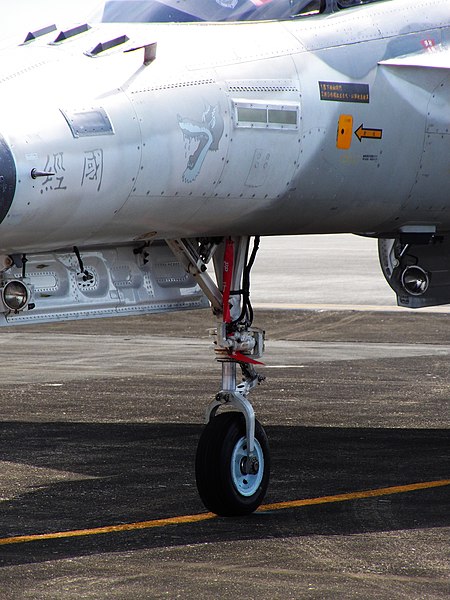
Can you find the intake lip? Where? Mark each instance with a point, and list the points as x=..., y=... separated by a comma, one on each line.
x=8, y=176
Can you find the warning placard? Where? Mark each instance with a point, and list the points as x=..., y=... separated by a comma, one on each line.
x=334, y=91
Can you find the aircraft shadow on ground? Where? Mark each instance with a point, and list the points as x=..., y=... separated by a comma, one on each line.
x=140, y=472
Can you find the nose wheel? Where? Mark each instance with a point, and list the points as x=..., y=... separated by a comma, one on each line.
x=231, y=483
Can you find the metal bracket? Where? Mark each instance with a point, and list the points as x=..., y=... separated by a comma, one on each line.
x=149, y=52
x=236, y=396
x=195, y=266
x=240, y=403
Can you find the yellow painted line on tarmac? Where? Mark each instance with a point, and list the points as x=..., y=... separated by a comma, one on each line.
x=20, y=539
x=188, y=519
x=397, y=489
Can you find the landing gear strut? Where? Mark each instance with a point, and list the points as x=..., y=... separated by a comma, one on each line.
x=233, y=461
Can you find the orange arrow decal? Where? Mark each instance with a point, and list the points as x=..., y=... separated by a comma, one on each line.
x=373, y=134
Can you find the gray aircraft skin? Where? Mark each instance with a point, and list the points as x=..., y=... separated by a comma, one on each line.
x=132, y=155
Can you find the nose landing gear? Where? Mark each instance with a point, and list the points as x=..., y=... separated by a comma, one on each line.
x=233, y=462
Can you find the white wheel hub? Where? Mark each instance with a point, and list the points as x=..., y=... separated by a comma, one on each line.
x=246, y=484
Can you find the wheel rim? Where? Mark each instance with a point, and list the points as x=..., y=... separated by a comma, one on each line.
x=246, y=484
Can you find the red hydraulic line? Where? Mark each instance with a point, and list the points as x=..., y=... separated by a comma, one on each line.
x=228, y=266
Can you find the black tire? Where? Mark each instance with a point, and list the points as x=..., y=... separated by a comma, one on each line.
x=222, y=486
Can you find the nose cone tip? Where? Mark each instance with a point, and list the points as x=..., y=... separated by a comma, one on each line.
x=8, y=177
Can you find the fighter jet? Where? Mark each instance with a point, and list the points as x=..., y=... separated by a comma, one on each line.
x=140, y=162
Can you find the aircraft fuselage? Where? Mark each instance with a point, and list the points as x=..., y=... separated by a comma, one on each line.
x=265, y=128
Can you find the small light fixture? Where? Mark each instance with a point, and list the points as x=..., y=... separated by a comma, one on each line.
x=415, y=280
x=15, y=295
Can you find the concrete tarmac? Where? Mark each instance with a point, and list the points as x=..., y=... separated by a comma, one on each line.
x=99, y=425
x=320, y=270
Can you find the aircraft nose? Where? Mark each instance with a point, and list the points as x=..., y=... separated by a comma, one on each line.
x=8, y=177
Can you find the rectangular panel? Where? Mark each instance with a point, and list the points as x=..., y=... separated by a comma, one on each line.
x=344, y=132
x=335, y=91
x=252, y=115
x=90, y=122
x=273, y=115
x=283, y=116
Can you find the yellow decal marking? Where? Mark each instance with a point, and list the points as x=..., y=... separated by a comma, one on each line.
x=344, y=132
x=366, y=133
